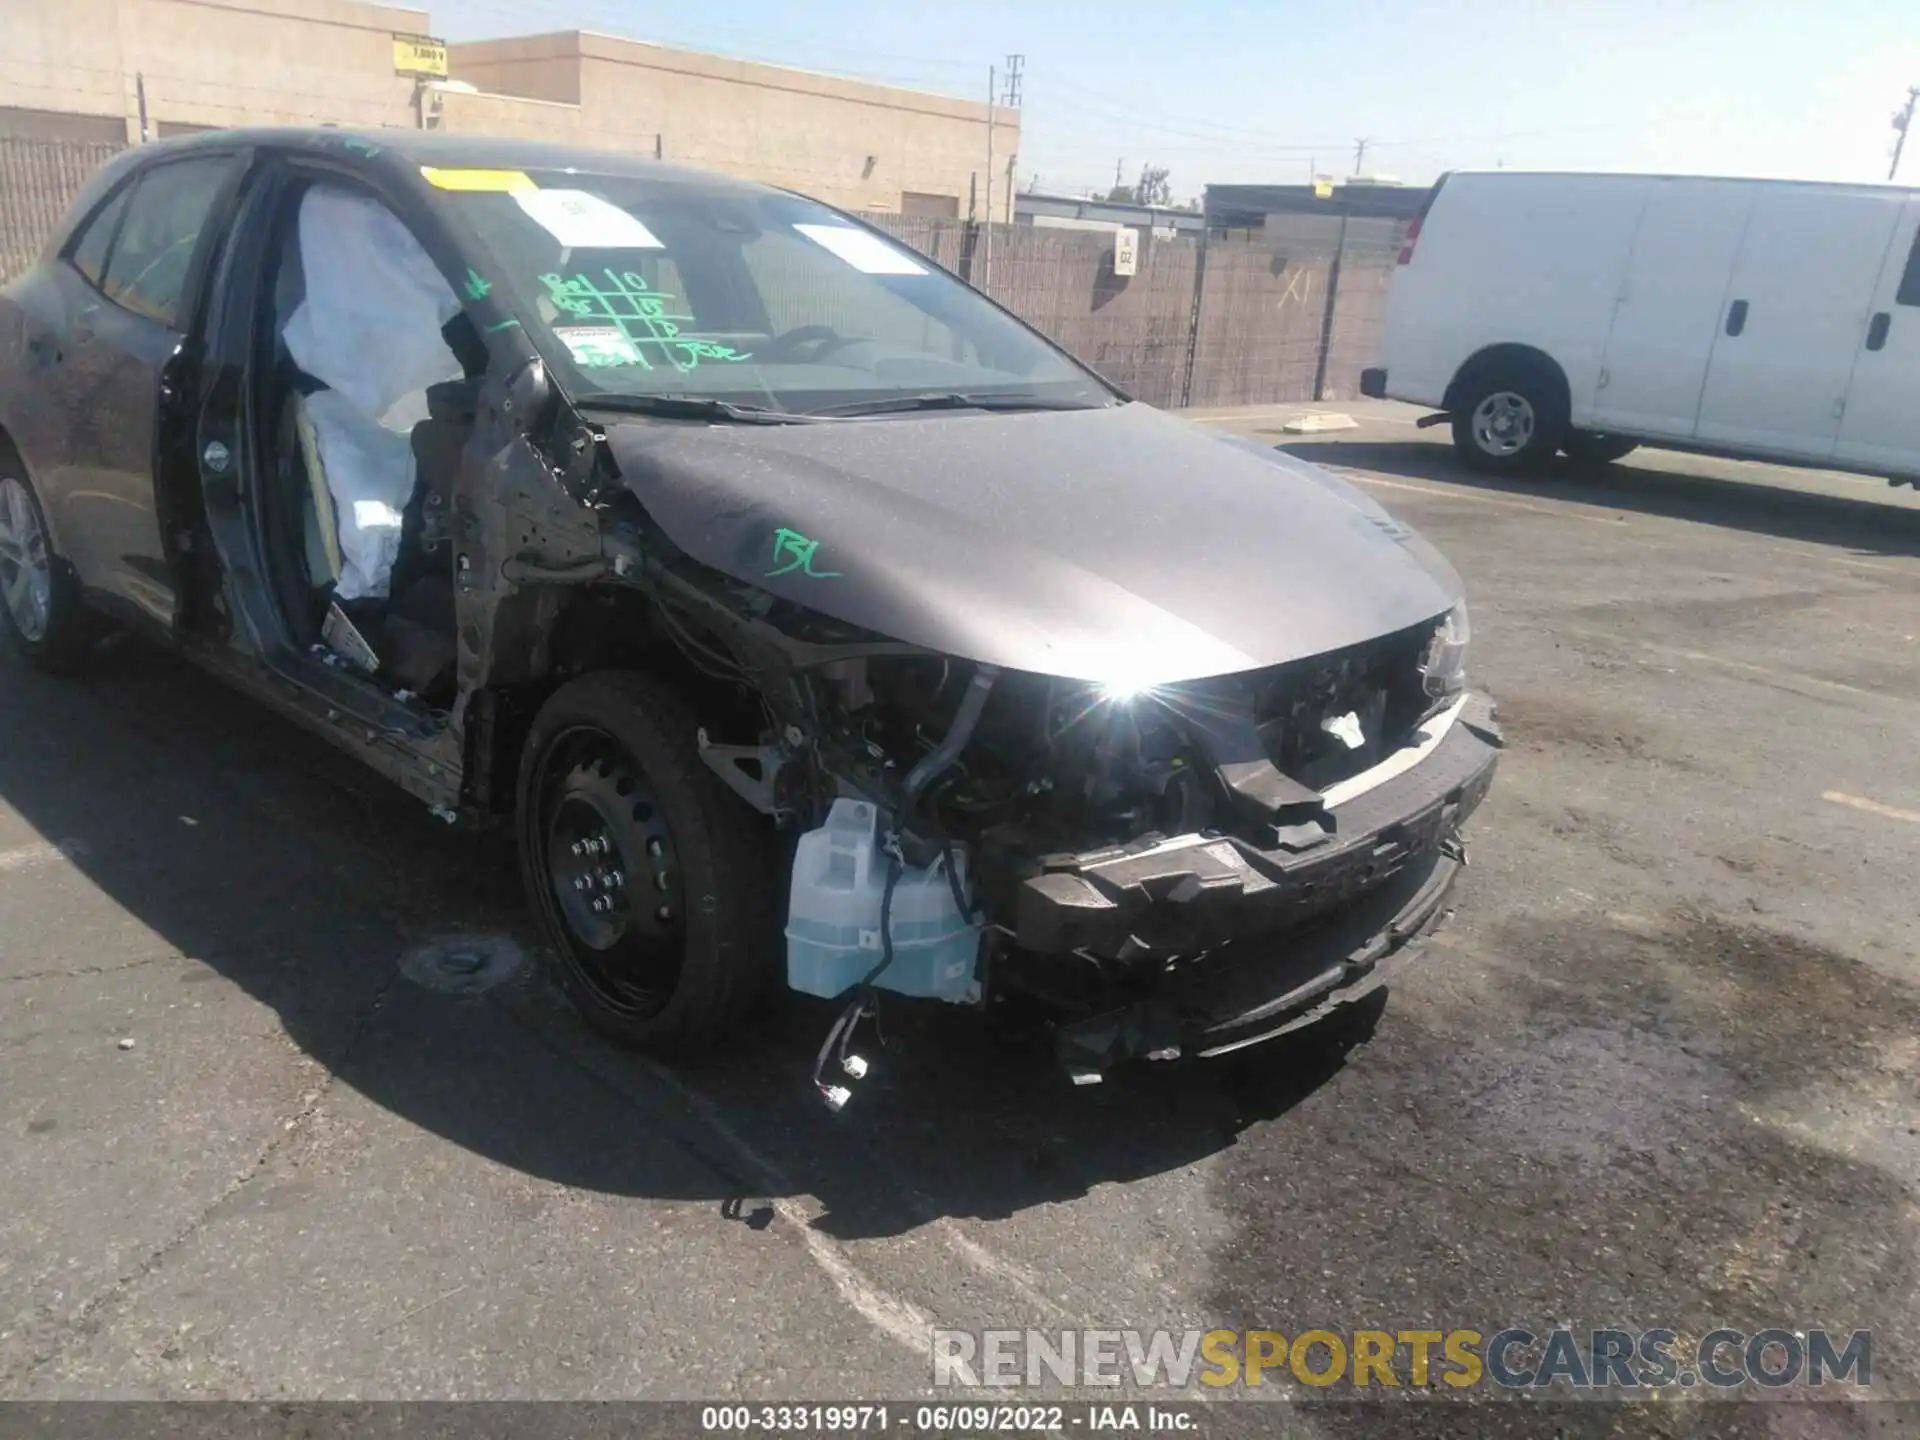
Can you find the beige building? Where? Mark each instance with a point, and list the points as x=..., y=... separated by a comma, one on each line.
x=77, y=69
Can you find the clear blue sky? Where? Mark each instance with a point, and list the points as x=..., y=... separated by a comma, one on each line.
x=1236, y=90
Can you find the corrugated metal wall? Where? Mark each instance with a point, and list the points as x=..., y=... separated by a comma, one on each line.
x=1245, y=317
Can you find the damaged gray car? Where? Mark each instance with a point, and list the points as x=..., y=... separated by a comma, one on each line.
x=765, y=577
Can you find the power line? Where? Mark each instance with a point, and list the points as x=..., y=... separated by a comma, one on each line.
x=1016, y=66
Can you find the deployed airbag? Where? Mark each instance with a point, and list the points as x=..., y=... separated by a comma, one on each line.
x=369, y=471
x=369, y=328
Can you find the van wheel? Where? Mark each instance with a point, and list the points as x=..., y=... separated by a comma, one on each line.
x=40, y=606
x=648, y=876
x=1584, y=447
x=1509, y=418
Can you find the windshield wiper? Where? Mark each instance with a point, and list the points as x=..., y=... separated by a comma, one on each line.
x=692, y=407
x=954, y=400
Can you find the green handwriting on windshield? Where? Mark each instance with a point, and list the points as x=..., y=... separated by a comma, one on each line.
x=798, y=551
x=639, y=312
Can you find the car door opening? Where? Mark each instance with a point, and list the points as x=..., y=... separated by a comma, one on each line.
x=368, y=396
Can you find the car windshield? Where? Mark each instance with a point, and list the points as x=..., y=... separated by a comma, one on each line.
x=641, y=289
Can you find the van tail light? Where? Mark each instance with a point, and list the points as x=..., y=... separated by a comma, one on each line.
x=1413, y=226
x=1413, y=235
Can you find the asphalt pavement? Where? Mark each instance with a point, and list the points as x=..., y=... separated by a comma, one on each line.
x=1662, y=1068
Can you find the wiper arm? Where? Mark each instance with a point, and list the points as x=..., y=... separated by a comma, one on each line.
x=692, y=407
x=952, y=400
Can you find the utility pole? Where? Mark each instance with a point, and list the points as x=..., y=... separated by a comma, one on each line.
x=1118, y=166
x=1016, y=65
x=1901, y=121
x=1360, y=154
x=993, y=88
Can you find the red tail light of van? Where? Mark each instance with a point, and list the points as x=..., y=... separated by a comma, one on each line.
x=1413, y=227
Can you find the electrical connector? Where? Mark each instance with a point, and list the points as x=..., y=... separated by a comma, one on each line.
x=836, y=1096
x=854, y=1065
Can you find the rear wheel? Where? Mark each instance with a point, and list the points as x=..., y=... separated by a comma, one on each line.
x=1585, y=447
x=40, y=605
x=649, y=877
x=1509, y=417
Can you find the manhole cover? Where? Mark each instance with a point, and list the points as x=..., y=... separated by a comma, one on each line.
x=462, y=964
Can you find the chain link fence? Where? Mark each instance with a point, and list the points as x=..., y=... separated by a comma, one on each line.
x=38, y=180
x=1240, y=317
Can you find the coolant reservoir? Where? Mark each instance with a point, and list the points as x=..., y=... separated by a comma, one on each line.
x=833, y=915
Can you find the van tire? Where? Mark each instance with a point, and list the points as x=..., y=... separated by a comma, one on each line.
x=1586, y=447
x=617, y=751
x=1509, y=417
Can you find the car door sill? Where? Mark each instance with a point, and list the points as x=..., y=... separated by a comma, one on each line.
x=417, y=750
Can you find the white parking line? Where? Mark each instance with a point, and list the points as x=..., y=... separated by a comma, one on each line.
x=894, y=1316
x=1701, y=657
x=1362, y=477
x=1872, y=807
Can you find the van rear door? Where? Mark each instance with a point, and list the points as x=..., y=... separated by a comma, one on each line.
x=1882, y=425
x=1669, y=306
x=1795, y=314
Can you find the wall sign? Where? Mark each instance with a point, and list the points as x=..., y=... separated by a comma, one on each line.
x=420, y=55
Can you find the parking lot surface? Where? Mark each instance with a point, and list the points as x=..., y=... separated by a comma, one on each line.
x=1662, y=1068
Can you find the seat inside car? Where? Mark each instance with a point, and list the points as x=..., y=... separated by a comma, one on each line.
x=371, y=405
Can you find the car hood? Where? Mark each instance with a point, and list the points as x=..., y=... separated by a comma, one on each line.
x=1118, y=545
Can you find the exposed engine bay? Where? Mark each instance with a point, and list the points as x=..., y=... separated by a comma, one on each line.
x=1124, y=852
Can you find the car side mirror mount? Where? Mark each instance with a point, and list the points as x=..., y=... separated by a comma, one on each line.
x=528, y=394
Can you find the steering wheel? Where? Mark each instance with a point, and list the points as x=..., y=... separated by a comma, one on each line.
x=819, y=341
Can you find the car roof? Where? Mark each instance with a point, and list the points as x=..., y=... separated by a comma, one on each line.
x=442, y=150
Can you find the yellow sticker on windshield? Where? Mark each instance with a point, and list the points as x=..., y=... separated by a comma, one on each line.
x=501, y=182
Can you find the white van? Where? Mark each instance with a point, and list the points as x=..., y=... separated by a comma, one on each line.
x=1586, y=313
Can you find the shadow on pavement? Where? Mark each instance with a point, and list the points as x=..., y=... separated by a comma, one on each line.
x=282, y=866
x=1865, y=525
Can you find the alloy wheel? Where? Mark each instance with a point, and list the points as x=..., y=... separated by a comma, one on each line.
x=26, y=568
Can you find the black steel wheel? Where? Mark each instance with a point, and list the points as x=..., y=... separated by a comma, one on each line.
x=647, y=874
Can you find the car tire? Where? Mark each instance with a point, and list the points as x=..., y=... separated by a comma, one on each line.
x=1509, y=417
x=652, y=882
x=1586, y=447
x=40, y=606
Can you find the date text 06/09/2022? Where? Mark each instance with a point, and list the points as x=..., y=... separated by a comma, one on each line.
x=947, y=1419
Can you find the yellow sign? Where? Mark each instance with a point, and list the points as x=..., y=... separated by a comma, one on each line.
x=503, y=182
x=1322, y=187
x=420, y=55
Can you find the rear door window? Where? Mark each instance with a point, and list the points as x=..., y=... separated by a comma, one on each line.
x=89, y=253
x=1909, y=291
x=151, y=260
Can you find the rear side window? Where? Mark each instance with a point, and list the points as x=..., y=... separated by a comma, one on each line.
x=1909, y=291
x=151, y=260
x=89, y=253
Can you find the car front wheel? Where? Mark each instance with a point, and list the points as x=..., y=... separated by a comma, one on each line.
x=40, y=604
x=651, y=880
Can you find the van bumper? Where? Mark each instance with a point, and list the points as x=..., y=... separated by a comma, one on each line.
x=1373, y=383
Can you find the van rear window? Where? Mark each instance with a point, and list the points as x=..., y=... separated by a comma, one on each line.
x=1909, y=291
